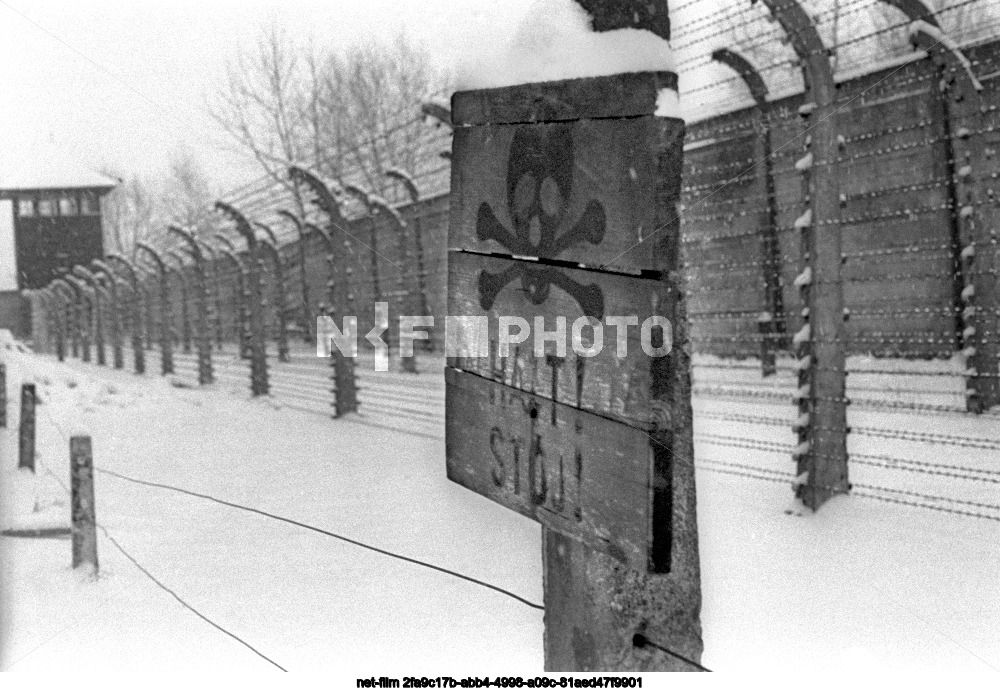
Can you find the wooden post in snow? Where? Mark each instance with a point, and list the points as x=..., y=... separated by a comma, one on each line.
x=26, y=435
x=83, y=511
x=593, y=442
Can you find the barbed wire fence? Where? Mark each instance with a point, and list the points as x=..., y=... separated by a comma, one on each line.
x=912, y=171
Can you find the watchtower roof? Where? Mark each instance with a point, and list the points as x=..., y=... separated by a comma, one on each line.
x=41, y=168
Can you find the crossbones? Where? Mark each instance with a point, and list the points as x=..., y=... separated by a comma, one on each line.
x=539, y=183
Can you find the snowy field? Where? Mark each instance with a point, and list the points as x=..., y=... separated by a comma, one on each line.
x=863, y=586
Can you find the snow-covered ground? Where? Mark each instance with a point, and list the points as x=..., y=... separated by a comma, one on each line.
x=863, y=585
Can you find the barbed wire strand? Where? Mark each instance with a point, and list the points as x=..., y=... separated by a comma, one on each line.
x=145, y=571
x=331, y=534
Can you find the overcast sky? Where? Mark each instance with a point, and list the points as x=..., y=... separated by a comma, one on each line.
x=124, y=83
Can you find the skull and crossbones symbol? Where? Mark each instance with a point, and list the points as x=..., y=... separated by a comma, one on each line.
x=539, y=185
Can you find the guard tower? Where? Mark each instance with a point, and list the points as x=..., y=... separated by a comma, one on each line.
x=50, y=220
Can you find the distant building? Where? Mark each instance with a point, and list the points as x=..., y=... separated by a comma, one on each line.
x=50, y=220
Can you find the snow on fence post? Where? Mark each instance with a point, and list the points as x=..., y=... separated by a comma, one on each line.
x=38, y=319
x=307, y=326
x=26, y=435
x=166, y=319
x=64, y=317
x=58, y=321
x=74, y=317
x=376, y=277
x=345, y=386
x=83, y=317
x=216, y=293
x=151, y=334
x=241, y=315
x=51, y=320
x=821, y=426
x=96, y=310
x=203, y=336
x=259, y=385
x=115, y=313
x=185, y=335
x=40, y=328
x=134, y=319
x=52, y=307
x=416, y=223
x=593, y=443
x=270, y=245
x=212, y=290
x=405, y=296
x=974, y=220
x=83, y=511
x=339, y=298
x=345, y=389
x=771, y=322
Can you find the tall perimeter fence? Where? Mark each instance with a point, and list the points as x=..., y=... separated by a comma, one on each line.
x=839, y=238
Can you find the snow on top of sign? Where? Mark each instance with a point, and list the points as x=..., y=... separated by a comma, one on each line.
x=668, y=104
x=41, y=167
x=555, y=41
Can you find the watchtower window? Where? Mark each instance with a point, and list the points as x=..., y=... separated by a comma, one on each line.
x=46, y=206
x=68, y=206
x=25, y=207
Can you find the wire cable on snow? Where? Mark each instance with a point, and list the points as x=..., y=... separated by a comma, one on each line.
x=145, y=571
x=185, y=603
x=331, y=534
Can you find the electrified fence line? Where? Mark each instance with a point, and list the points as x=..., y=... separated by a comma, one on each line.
x=891, y=463
x=184, y=603
x=324, y=532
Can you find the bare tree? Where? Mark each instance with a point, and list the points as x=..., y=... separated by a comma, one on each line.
x=370, y=94
x=260, y=106
x=343, y=114
x=130, y=213
x=188, y=194
x=140, y=208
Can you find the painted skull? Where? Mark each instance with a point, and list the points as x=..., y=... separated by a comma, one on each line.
x=539, y=189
